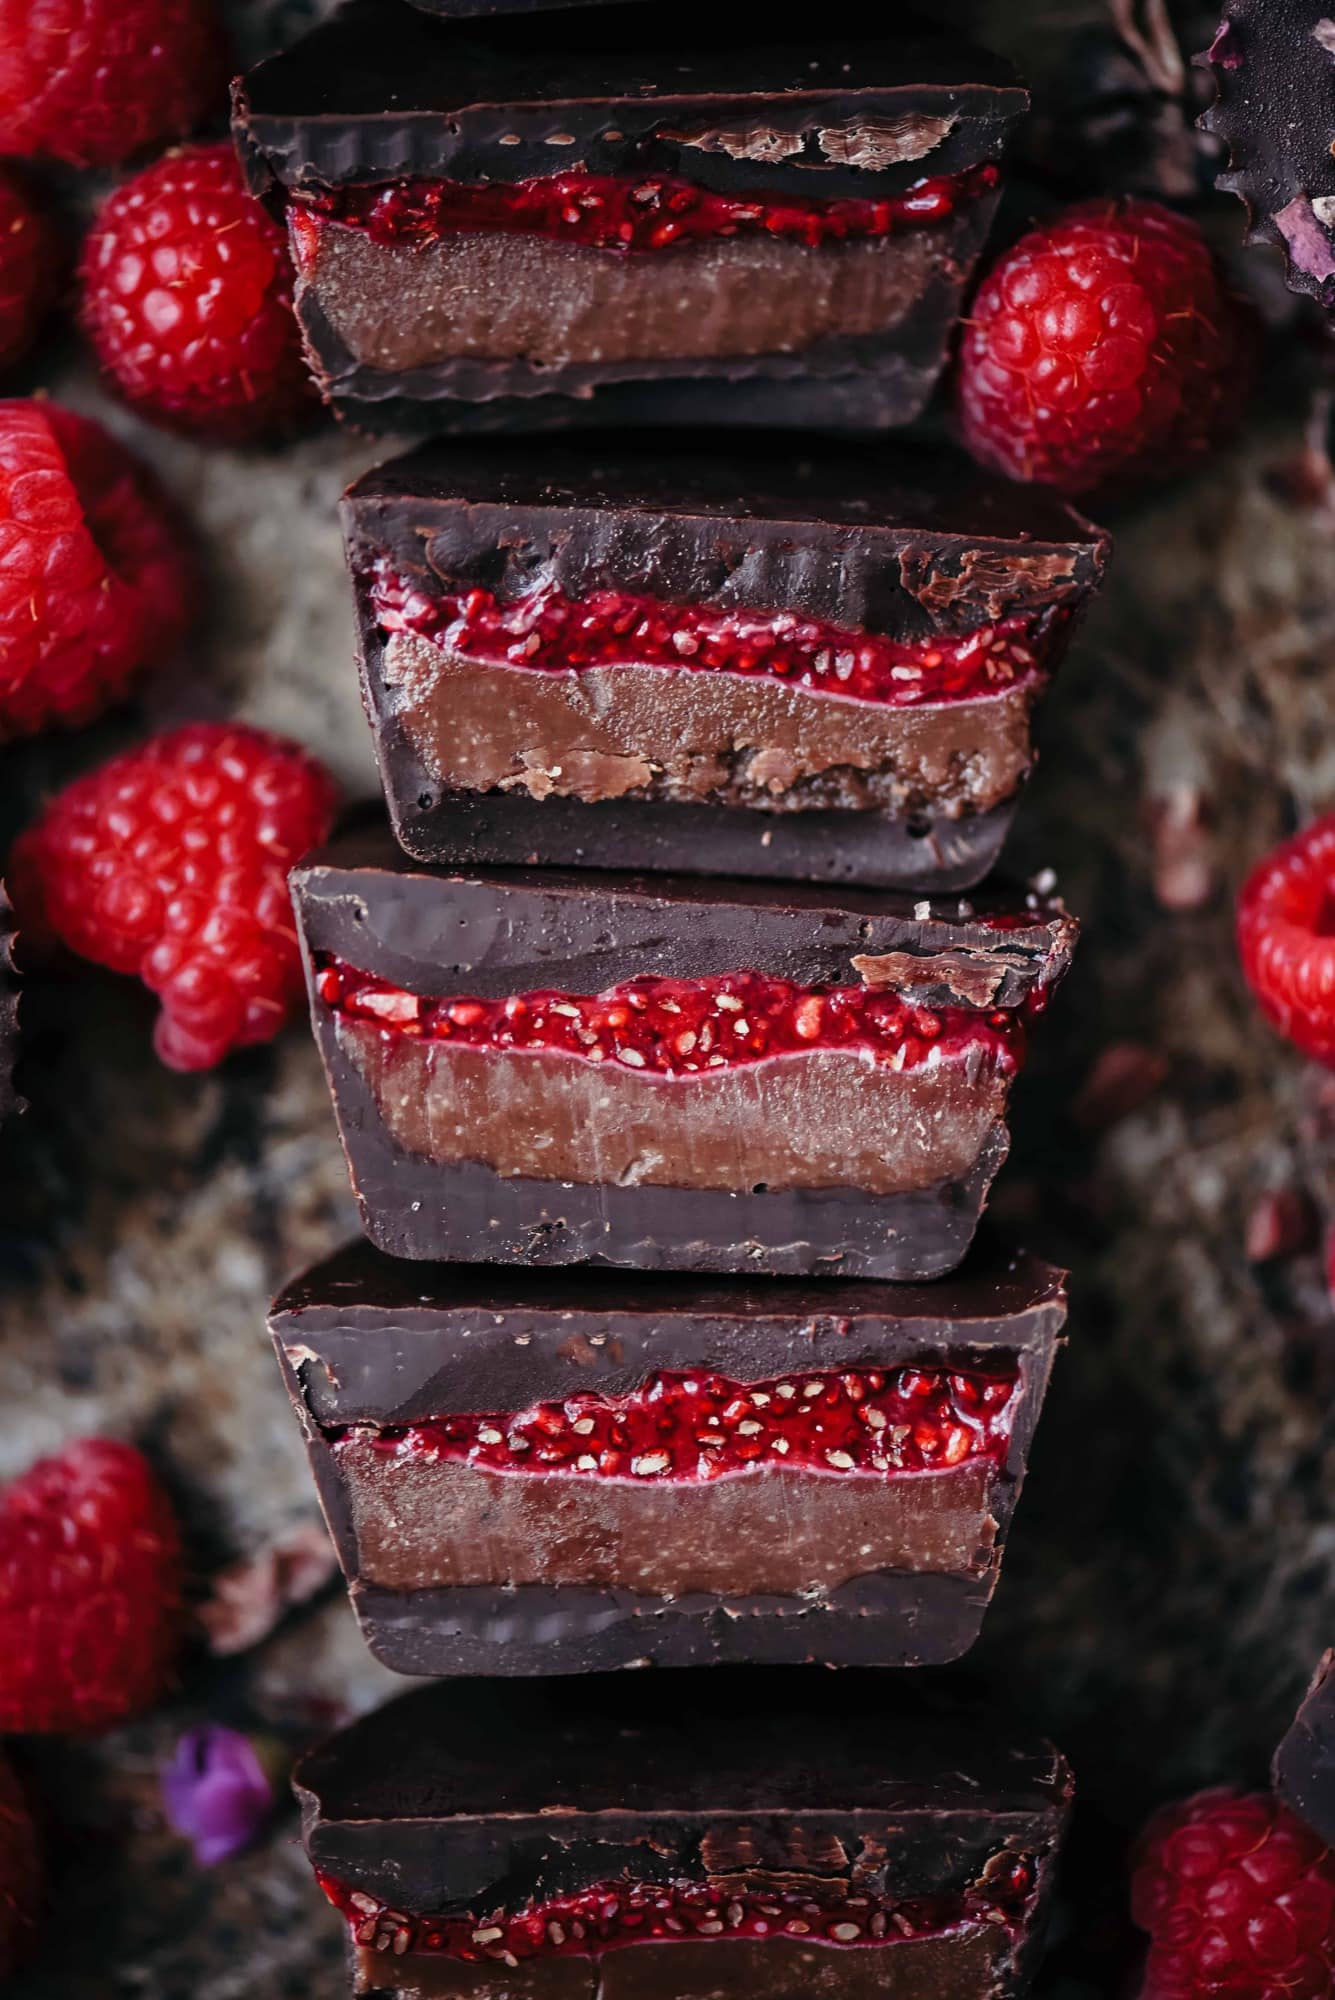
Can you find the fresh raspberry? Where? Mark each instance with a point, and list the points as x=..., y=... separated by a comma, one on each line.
x=1238, y=1897
x=187, y=300
x=92, y=82
x=171, y=862
x=20, y=1873
x=96, y=580
x=91, y=1576
x=1102, y=350
x=1286, y=938
x=30, y=261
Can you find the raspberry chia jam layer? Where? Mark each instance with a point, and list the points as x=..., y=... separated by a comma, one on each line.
x=702, y=1427
x=610, y=1916
x=551, y=632
x=624, y=212
x=679, y=1027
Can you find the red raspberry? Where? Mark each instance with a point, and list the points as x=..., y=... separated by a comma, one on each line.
x=91, y=1599
x=92, y=82
x=187, y=300
x=1238, y=1897
x=96, y=581
x=30, y=261
x=1286, y=938
x=20, y=1873
x=1103, y=349
x=171, y=862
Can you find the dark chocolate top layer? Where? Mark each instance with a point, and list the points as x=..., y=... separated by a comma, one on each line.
x=484, y=1788
x=697, y=1743
x=898, y=540
x=1304, y=1765
x=381, y=91
x=494, y=931
x=897, y=485
x=376, y=1340
x=1274, y=67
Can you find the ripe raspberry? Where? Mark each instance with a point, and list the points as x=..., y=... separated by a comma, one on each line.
x=171, y=862
x=20, y=1873
x=187, y=300
x=1286, y=938
x=90, y=1590
x=30, y=262
x=1103, y=349
x=96, y=581
x=92, y=82
x=1238, y=1897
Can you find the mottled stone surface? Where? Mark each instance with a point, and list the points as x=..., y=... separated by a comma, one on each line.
x=1171, y=1575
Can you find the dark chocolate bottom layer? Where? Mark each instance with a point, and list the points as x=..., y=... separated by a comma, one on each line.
x=929, y=852
x=887, y=1620
x=465, y=1213
x=881, y=398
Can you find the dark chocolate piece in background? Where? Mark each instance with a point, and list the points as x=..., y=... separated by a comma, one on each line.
x=466, y=9
x=10, y=1101
x=494, y=932
x=369, y=1342
x=1303, y=1772
x=476, y=1799
x=381, y=93
x=901, y=543
x=1273, y=63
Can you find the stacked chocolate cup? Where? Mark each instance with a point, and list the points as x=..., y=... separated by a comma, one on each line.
x=670, y=1036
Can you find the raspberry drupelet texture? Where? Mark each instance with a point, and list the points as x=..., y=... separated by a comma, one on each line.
x=91, y=1590
x=171, y=863
x=187, y=302
x=1238, y=1897
x=92, y=82
x=1104, y=351
x=20, y=1873
x=1286, y=938
x=30, y=261
x=96, y=580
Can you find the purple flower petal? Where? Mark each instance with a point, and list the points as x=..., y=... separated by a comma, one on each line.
x=216, y=1792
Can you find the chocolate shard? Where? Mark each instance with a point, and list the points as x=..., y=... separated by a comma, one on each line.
x=1303, y=1772
x=665, y=1073
x=1273, y=63
x=536, y=222
x=585, y=651
x=537, y=1473
x=747, y=1835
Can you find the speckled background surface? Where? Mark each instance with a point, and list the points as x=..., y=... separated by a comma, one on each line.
x=1171, y=1575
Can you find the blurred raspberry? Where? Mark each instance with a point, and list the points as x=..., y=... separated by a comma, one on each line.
x=90, y=1590
x=92, y=82
x=1286, y=938
x=1103, y=350
x=30, y=261
x=171, y=863
x=187, y=300
x=1238, y=1897
x=96, y=582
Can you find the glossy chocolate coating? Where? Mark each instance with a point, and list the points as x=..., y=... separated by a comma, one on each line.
x=368, y=1341
x=1304, y=1765
x=381, y=92
x=495, y=932
x=900, y=543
